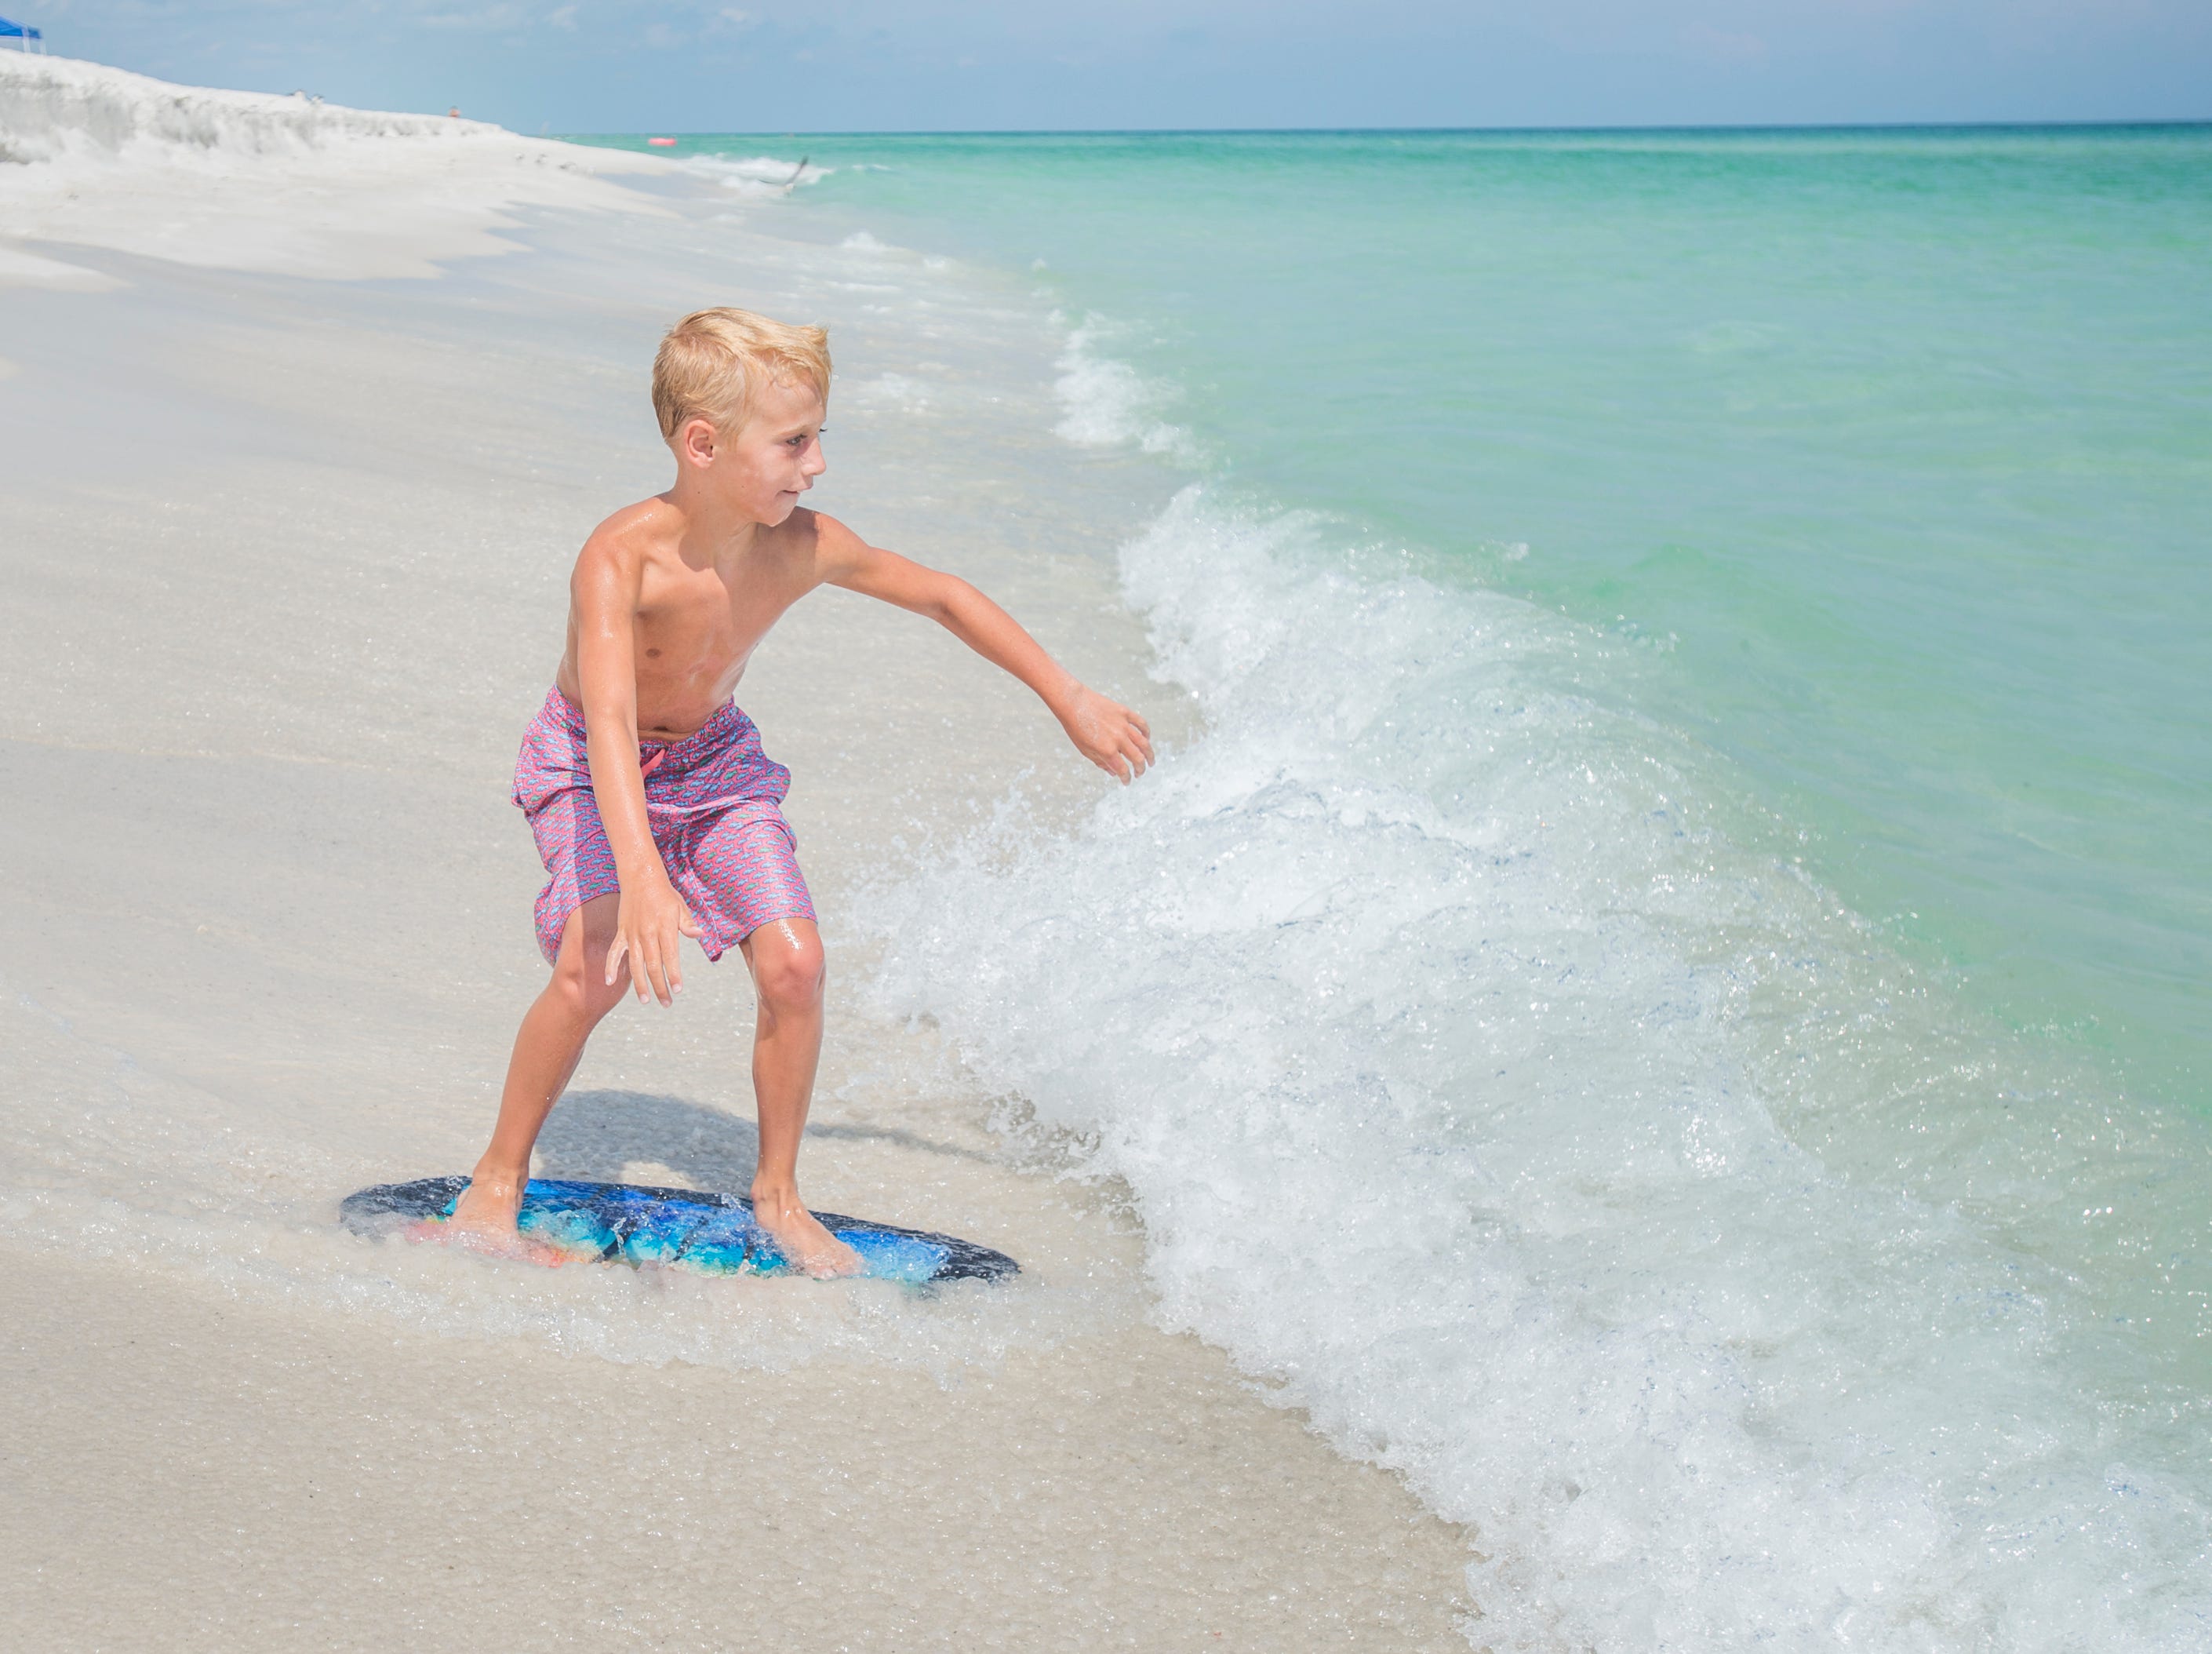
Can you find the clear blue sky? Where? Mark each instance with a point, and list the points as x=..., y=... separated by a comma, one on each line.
x=702, y=65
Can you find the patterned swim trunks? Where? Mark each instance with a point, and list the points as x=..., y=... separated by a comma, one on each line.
x=716, y=802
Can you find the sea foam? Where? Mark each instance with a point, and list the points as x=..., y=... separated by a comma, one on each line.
x=1490, y=1080
x=1107, y=402
x=763, y=177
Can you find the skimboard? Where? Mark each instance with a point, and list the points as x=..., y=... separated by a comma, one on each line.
x=675, y=1228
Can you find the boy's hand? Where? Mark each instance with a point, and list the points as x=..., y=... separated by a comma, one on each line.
x=649, y=926
x=1116, y=740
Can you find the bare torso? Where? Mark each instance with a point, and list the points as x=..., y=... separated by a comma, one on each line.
x=697, y=619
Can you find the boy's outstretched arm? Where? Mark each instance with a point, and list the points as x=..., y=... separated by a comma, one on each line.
x=1110, y=735
x=651, y=918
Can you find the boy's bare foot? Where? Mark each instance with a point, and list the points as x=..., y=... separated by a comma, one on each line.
x=489, y=1207
x=523, y=1249
x=484, y=1220
x=799, y=1236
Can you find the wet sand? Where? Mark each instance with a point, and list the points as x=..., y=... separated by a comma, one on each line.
x=284, y=561
x=242, y=1476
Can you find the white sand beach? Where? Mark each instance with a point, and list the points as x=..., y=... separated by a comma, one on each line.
x=305, y=412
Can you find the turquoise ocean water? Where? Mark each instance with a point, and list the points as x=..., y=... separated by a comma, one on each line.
x=1704, y=819
x=1897, y=443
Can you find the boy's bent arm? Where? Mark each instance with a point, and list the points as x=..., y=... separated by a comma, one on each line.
x=651, y=916
x=1110, y=735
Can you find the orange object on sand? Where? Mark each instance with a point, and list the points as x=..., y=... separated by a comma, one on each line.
x=665, y=143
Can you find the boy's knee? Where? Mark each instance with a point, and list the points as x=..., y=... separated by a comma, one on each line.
x=790, y=971
x=581, y=986
x=580, y=968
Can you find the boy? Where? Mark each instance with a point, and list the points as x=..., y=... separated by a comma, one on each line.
x=655, y=811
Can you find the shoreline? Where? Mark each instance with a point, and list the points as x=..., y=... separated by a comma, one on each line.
x=262, y=690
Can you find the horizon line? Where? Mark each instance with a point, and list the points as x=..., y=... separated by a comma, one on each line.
x=2089, y=123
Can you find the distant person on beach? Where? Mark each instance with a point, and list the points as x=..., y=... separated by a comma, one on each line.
x=656, y=811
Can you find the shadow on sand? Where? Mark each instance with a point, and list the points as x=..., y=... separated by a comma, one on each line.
x=593, y=1136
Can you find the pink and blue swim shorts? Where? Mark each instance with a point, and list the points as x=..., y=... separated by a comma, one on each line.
x=715, y=801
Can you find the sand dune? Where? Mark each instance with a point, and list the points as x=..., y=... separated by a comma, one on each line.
x=243, y=181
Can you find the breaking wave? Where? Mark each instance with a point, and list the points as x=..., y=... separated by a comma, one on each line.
x=1491, y=1079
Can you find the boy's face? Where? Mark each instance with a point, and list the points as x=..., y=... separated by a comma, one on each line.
x=762, y=467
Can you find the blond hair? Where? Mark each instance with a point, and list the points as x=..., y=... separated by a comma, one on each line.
x=713, y=364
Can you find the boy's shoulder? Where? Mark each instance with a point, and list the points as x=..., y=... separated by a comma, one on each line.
x=631, y=537
x=821, y=536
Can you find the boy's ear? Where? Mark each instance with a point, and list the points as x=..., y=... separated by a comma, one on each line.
x=696, y=441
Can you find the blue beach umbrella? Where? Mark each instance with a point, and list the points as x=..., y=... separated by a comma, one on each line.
x=22, y=32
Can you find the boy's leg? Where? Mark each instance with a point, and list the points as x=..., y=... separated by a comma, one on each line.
x=785, y=955
x=547, y=1049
